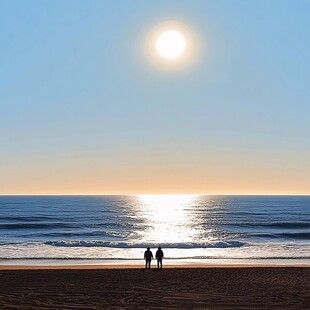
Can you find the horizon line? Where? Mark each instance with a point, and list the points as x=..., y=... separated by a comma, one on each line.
x=164, y=194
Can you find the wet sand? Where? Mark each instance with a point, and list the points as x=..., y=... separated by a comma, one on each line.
x=171, y=288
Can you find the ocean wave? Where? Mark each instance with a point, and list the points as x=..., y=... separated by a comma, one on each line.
x=55, y=225
x=277, y=225
x=113, y=244
x=77, y=234
x=294, y=235
x=36, y=226
x=26, y=219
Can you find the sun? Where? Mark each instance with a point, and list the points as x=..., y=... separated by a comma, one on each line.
x=171, y=44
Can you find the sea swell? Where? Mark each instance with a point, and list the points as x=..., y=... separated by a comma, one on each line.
x=293, y=235
x=283, y=225
x=113, y=244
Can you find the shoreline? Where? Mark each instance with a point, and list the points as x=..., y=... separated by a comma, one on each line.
x=23, y=264
x=92, y=267
x=138, y=263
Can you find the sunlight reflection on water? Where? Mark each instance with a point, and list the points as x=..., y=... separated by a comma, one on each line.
x=169, y=218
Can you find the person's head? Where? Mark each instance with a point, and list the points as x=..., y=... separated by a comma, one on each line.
x=148, y=249
x=159, y=248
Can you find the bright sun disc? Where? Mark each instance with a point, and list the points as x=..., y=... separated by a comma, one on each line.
x=171, y=44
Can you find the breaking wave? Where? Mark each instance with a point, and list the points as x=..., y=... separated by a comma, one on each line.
x=113, y=244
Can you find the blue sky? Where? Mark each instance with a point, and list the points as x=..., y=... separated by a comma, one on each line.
x=83, y=111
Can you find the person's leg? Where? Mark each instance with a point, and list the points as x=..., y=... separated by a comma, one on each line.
x=161, y=263
x=145, y=264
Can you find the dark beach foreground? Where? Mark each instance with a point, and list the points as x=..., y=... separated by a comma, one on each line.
x=171, y=288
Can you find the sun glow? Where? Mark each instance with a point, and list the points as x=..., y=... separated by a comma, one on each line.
x=171, y=45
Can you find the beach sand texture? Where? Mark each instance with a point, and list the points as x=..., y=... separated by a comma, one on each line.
x=171, y=288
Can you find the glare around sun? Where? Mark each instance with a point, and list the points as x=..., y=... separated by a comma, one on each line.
x=170, y=44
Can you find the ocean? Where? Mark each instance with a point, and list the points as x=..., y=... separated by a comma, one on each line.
x=189, y=228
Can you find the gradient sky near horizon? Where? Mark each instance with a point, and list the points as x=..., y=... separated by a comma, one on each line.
x=82, y=111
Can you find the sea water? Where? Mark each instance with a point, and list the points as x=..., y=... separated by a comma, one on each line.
x=189, y=228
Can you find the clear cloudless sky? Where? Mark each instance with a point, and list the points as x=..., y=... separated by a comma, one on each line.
x=82, y=110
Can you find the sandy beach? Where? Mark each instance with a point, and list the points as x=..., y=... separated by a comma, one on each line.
x=90, y=287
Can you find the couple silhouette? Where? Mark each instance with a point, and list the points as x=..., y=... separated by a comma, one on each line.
x=148, y=255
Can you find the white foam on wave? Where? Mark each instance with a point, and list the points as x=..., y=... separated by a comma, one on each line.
x=113, y=244
x=38, y=250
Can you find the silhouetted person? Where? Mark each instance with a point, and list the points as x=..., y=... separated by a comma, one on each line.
x=148, y=255
x=159, y=256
